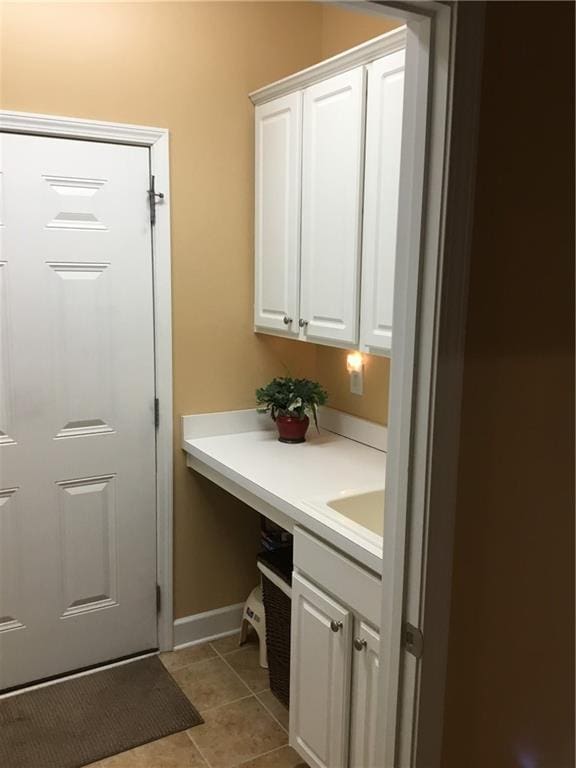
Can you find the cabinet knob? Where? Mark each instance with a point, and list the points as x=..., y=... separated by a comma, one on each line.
x=336, y=626
x=286, y=320
x=302, y=323
x=359, y=644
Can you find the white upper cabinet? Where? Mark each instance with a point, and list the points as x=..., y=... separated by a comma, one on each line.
x=332, y=176
x=382, y=180
x=277, y=220
x=328, y=144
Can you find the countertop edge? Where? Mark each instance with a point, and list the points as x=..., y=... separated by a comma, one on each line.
x=303, y=515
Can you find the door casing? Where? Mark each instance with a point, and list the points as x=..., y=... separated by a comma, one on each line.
x=157, y=141
x=441, y=107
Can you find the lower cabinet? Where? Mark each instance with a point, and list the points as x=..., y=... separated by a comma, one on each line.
x=365, y=681
x=334, y=681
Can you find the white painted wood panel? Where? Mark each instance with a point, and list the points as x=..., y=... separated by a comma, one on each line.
x=364, y=710
x=382, y=182
x=77, y=461
x=333, y=146
x=278, y=159
x=319, y=676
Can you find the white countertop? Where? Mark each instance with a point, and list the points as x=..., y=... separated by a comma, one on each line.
x=290, y=483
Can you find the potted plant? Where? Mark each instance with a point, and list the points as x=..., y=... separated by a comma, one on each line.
x=290, y=402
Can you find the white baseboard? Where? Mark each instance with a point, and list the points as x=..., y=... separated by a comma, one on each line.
x=201, y=627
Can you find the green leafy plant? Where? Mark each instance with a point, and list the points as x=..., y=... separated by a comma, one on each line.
x=285, y=396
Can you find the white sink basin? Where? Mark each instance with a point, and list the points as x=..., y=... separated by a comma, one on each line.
x=365, y=509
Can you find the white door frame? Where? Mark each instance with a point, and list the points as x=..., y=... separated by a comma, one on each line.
x=430, y=301
x=157, y=141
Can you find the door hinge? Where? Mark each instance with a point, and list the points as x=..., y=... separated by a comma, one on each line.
x=156, y=412
x=153, y=198
x=158, y=598
x=412, y=640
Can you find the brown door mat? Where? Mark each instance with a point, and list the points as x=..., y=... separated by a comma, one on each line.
x=85, y=719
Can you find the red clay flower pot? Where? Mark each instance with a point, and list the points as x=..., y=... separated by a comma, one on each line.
x=292, y=429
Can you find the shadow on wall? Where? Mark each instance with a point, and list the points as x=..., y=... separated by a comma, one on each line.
x=509, y=699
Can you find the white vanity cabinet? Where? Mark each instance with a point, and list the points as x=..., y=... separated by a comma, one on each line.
x=320, y=676
x=334, y=657
x=327, y=166
x=364, y=696
x=381, y=186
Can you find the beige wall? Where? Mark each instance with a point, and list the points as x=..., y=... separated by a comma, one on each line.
x=511, y=657
x=343, y=29
x=189, y=67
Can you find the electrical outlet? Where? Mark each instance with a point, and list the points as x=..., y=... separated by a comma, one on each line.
x=357, y=382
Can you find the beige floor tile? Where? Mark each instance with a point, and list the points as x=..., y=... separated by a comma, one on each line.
x=210, y=684
x=226, y=644
x=237, y=732
x=285, y=757
x=229, y=644
x=178, y=659
x=276, y=707
x=175, y=751
x=246, y=662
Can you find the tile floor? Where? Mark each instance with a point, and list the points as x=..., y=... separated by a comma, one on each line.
x=244, y=723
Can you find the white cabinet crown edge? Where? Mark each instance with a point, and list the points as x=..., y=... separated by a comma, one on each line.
x=365, y=53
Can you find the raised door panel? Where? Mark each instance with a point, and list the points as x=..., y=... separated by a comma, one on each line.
x=89, y=554
x=82, y=294
x=7, y=426
x=365, y=681
x=332, y=175
x=11, y=551
x=319, y=676
x=382, y=180
x=277, y=215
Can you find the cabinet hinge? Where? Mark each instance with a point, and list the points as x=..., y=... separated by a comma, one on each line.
x=412, y=640
x=158, y=598
x=153, y=198
x=156, y=412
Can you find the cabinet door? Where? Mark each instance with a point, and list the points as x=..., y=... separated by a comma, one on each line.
x=319, y=676
x=382, y=180
x=332, y=207
x=365, y=681
x=277, y=216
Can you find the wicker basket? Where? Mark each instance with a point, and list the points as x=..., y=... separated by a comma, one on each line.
x=276, y=569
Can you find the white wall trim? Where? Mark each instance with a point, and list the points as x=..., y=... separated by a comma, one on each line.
x=224, y=423
x=157, y=139
x=77, y=128
x=354, y=428
x=395, y=40
x=426, y=375
x=249, y=420
x=201, y=627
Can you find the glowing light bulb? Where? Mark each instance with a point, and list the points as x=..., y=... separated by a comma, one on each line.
x=354, y=362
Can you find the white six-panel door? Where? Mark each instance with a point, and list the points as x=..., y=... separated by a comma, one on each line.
x=77, y=445
x=319, y=676
x=382, y=181
x=278, y=161
x=333, y=149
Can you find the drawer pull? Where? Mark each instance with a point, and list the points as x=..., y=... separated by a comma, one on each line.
x=360, y=644
x=336, y=626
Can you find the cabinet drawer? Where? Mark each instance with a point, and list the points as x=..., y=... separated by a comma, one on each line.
x=358, y=588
